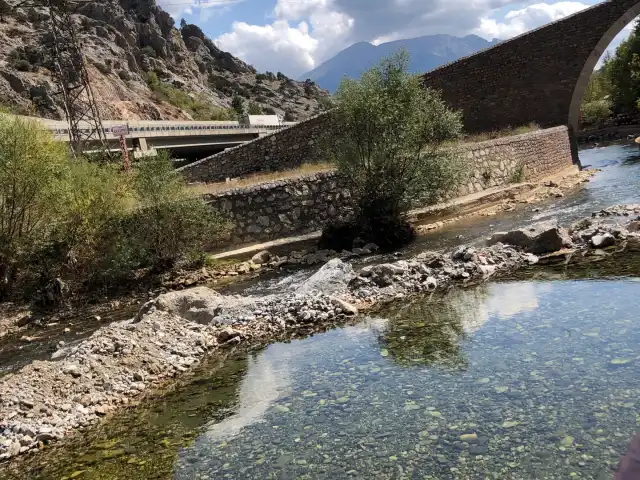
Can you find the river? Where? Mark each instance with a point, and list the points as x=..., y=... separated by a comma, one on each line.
x=534, y=377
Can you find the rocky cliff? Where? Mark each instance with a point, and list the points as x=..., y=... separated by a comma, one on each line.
x=141, y=67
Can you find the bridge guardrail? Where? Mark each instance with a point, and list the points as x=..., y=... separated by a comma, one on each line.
x=159, y=129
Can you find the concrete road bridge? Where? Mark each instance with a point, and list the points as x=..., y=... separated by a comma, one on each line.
x=184, y=139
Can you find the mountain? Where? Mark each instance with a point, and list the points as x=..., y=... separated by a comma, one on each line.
x=140, y=65
x=426, y=53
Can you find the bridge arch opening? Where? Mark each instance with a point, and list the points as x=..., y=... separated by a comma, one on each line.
x=587, y=70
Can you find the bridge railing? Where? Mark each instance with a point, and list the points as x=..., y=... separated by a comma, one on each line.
x=177, y=128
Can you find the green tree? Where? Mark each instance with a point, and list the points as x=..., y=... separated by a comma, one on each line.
x=183, y=23
x=254, y=109
x=32, y=169
x=623, y=71
x=392, y=142
x=594, y=112
x=169, y=223
x=238, y=104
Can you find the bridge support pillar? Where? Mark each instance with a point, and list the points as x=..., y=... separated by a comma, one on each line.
x=573, y=142
x=141, y=144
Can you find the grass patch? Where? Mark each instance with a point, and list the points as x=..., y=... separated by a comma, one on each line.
x=306, y=169
x=505, y=132
x=518, y=175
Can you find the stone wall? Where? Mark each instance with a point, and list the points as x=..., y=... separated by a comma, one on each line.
x=539, y=76
x=281, y=150
x=305, y=204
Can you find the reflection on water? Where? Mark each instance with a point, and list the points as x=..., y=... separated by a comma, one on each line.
x=513, y=380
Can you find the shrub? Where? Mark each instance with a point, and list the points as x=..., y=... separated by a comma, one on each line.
x=170, y=222
x=103, y=68
x=21, y=64
x=254, y=109
x=149, y=51
x=32, y=169
x=595, y=112
x=83, y=221
x=238, y=104
x=197, y=107
x=391, y=141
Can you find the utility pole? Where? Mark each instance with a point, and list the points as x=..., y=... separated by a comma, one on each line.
x=69, y=69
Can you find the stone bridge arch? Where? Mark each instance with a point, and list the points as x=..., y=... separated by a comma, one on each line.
x=539, y=76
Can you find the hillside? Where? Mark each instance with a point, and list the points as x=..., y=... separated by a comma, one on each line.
x=426, y=53
x=141, y=67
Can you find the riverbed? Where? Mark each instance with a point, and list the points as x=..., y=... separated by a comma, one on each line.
x=497, y=381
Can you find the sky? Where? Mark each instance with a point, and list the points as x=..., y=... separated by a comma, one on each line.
x=295, y=36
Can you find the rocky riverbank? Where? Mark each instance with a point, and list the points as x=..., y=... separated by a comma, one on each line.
x=47, y=400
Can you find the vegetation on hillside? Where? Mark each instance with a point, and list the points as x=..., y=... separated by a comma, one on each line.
x=89, y=223
x=614, y=88
x=196, y=107
x=392, y=142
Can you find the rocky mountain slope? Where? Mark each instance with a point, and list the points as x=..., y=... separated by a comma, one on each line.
x=426, y=53
x=141, y=67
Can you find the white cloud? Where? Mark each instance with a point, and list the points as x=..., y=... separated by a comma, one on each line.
x=284, y=47
x=304, y=33
x=517, y=22
x=281, y=46
x=205, y=8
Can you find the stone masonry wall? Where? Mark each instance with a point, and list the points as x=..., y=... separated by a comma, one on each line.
x=531, y=78
x=305, y=204
x=281, y=150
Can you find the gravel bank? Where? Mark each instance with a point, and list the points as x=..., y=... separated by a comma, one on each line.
x=47, y=400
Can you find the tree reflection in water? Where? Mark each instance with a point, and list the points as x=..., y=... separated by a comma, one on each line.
x=429, y=331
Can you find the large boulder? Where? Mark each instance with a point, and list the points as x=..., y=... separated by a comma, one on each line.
x=199, y=304
x=550, y=240
x=544, y=237
x=333, y=278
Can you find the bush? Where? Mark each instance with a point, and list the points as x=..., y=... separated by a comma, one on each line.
x=83, y=221
x=149, y=51
x=169, y=223
x=392, y=142
x=595, y=112
x=32, y=171
x=254, y=109
x=198, y=108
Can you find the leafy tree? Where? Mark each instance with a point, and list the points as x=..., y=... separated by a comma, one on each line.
x=623, y=71
x=325, y=103
x=183, y=23
x=31, y=167
x=392, y=142
x=595, y=111
x=238, y=104
x=254, y=109
x=289, y=116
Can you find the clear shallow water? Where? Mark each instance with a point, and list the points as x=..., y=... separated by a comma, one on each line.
x=513, y=380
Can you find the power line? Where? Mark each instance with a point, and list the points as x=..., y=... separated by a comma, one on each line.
x=69, y=69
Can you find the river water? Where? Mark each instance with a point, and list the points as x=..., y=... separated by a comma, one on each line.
x=520, y=379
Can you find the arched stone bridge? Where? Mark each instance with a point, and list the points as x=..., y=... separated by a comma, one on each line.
x=539, y=77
